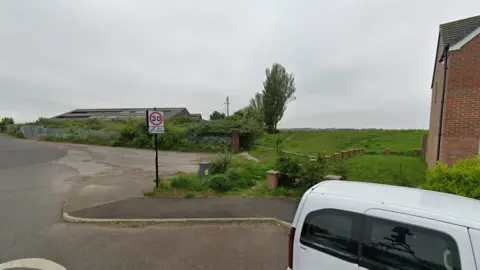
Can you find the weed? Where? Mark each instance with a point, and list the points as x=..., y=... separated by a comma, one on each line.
x=188, y=182
x=189, y=195
x=220, y=183
x=221, y=162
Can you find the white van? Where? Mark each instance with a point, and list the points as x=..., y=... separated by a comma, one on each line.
x=344, y=225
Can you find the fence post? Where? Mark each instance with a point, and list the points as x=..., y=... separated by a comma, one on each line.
x=272, y=179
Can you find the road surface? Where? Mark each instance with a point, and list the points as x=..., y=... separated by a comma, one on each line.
x=35, y=180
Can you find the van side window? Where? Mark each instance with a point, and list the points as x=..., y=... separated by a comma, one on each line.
x=331, y=231
x=401, y=246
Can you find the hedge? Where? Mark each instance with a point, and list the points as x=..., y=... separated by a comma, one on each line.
x=463, y=178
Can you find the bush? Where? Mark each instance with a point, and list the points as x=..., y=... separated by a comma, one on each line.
x=14, y=132
x=83, y=139
x=289, y=169
x=462, y=179
x=220, y=183
x=339, y=168
x=241, y=177
x=221, y=162
x=249, y=129
x=188, y=182
x=5, y=122
x=300, y=172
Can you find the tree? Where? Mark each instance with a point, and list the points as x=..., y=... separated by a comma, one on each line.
x=217, y=115
x=278, y=91
x=257, y=101
x=5, y=122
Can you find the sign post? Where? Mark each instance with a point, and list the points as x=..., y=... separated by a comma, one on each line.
x=155, y=126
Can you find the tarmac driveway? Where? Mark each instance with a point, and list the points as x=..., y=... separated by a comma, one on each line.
x=34, y=228
x=215, y=247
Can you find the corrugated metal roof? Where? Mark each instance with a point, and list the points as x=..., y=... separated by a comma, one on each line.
x=453, y=32
x=120, y=112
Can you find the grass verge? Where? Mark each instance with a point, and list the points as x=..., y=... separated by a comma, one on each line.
x=394, y=170
x=400, y=142
x=243, y=178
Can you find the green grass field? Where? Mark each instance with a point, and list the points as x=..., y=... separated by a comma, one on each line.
x=404, y=170
x=330, y=141
x=400, y=168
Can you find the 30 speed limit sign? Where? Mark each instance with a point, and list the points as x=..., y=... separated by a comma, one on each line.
x=155, y=122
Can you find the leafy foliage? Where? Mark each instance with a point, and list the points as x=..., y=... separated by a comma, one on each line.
x=221, y=162
x=220, y=183
x=241, y=177
x=188, y=182
x=83, y=139
x=339, y=168
x=5, y=122
x=257, y=101
x=300, y=172
x=216, y=115
x=463, y=178
x=14, y=132
x=249, y=129
x=278, y=90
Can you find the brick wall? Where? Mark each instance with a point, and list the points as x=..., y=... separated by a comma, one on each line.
x=432, y=141
x=461, y=130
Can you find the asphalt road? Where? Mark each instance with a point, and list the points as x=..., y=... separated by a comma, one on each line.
x=34, y=183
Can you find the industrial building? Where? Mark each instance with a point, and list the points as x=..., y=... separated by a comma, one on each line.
x=122, y=113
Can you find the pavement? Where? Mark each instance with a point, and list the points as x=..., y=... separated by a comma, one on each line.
x=177, y=208
x=36, y=178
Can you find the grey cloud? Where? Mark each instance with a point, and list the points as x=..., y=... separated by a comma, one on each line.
x=357, y=63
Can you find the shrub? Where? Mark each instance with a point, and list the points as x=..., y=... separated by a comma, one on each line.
x=221, y=162
x=296, y=172
x=249, y=129
x=5, y=122
x=339, y=168
x=14, y=132
x=241, y=177
x=93, y=123
x=289, y=169
x=220, y=182
x=463, y=178
x=188, y=182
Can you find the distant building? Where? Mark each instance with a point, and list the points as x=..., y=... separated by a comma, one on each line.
x=196, y=115
x=121, y=113
x=454, y=131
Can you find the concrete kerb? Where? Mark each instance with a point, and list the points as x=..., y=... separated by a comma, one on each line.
x=71, y=219
x=151, y=221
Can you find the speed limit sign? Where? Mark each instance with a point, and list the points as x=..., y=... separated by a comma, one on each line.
x=155, y=122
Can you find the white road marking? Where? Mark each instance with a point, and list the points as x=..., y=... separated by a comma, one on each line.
x=34, y=263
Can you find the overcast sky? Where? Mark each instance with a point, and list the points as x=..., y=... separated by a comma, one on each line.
x=357, y=63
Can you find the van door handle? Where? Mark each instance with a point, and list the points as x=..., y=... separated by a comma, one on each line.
x=304, y=248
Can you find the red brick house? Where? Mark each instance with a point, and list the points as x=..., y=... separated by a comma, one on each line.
x=454, y=131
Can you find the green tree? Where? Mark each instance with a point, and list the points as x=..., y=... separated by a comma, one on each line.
x=5, y=122
x=257, y=101
x=278, y=91
x=217, y=115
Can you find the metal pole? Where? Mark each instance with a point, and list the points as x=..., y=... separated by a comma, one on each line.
x=156, y=160
x=156, y=157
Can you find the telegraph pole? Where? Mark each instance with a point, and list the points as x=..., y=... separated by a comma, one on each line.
x=228, y=106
